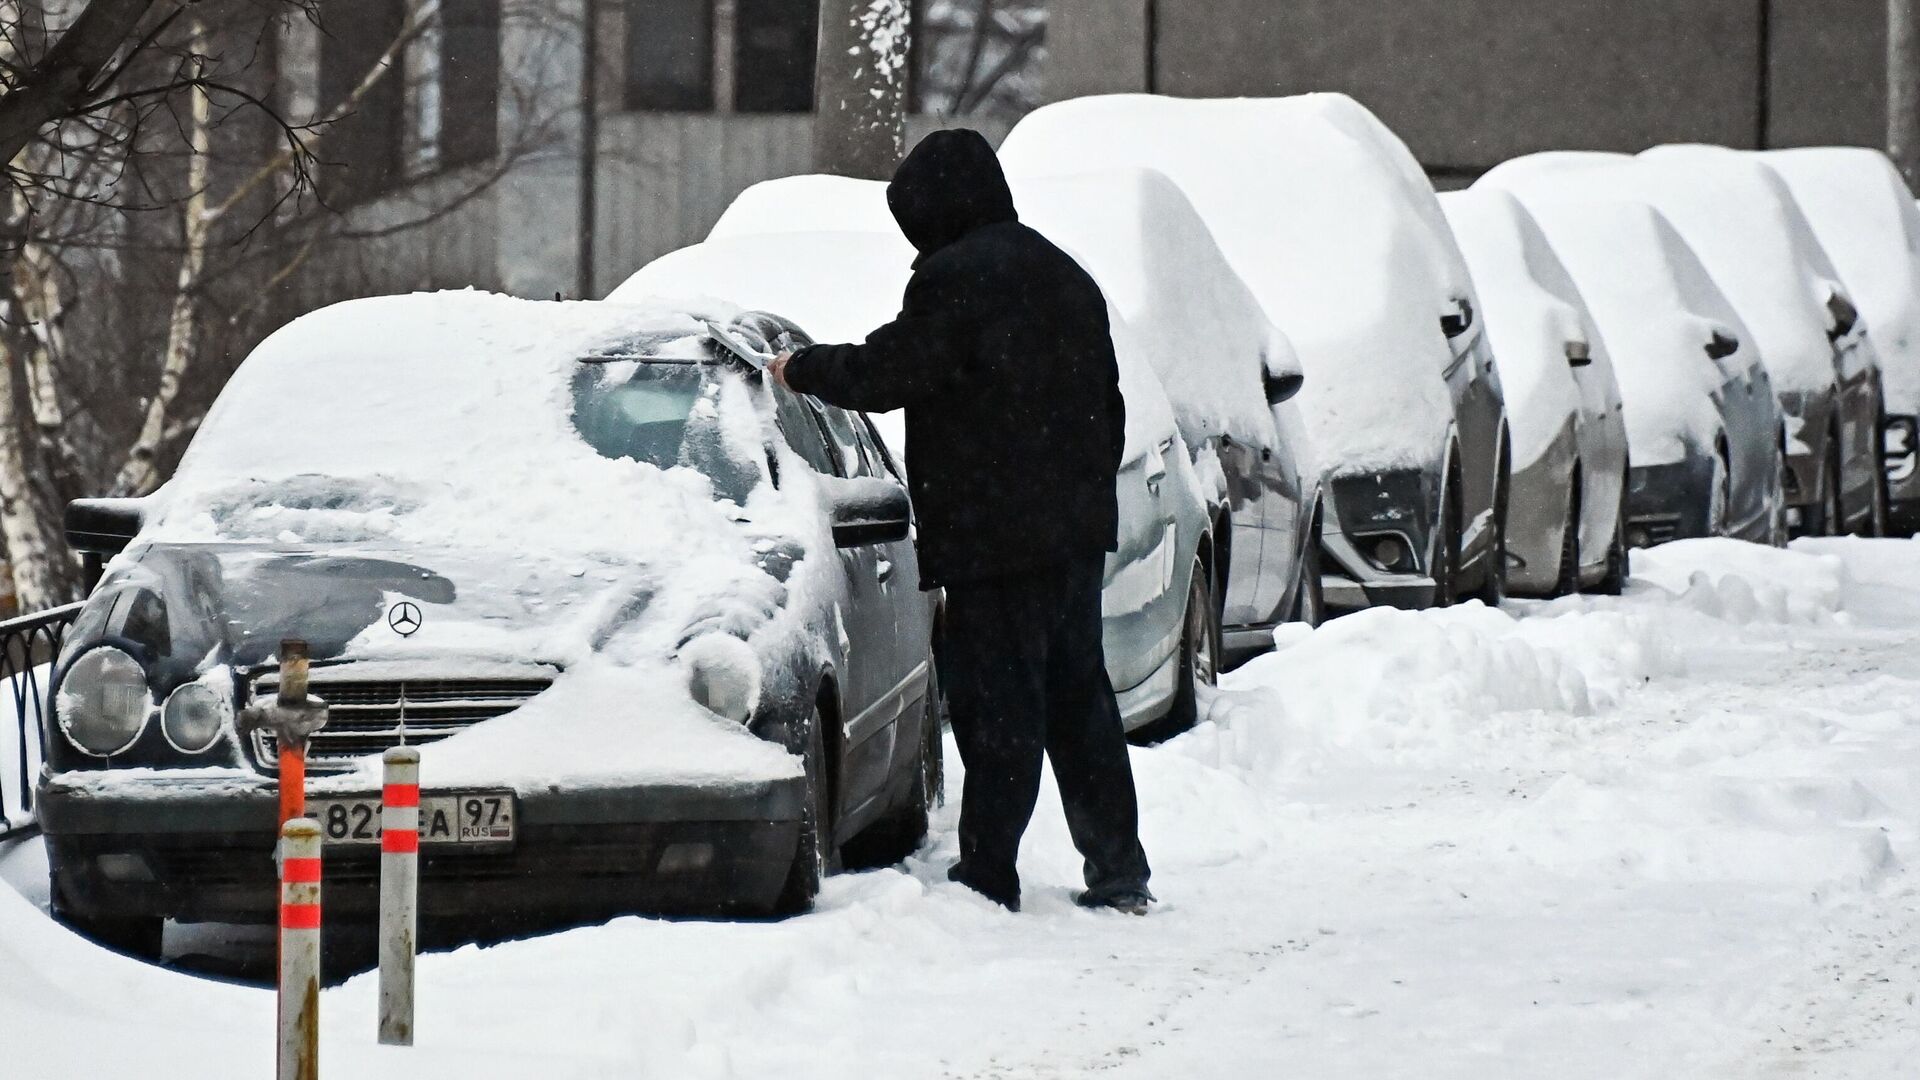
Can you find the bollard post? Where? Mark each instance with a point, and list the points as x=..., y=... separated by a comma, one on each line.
x=293, y=751
x=399, y=891
x=299, y=997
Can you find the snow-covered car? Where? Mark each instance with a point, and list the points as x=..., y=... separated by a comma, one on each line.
x=1229, y=372
x=657, y=621
x=1703, y=424
x=1566, y=524
x=1865, y=217
x=1311, y=200
x=1159, y=635
x=1740, y=218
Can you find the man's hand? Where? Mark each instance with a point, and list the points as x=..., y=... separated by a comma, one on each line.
x=777, y=367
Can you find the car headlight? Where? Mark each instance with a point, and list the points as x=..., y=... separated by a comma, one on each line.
x=104, y=702
x=723, y=675
x=194, y=717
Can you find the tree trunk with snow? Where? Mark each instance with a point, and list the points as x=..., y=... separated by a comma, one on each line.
x=1903, y=86
x=860, y=126
x=141, y=472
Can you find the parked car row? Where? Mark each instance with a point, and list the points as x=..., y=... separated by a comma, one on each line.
x=667, y=616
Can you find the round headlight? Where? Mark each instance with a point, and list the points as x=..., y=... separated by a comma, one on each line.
x=194, y=717
x=104, y=702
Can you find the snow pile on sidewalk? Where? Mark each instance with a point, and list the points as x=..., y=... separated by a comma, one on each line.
x=1587, y=838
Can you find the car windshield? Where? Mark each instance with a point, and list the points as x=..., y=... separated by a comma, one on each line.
x=666, y=414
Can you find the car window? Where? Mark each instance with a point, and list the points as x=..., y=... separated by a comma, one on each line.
x=876, y=448
x=668, y=415
x=796, y=418
x=846, y=443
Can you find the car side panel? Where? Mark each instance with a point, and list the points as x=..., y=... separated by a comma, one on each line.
x=1478, y=412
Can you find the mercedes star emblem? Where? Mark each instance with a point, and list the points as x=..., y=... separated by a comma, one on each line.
x=404, y=617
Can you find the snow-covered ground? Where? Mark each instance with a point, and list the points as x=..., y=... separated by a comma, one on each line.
x=1660, y=836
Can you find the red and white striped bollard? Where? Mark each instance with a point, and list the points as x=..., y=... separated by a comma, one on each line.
x=299, y=999
x=399, y=891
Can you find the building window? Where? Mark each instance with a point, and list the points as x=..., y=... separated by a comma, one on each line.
x=774, y=46
x=364, y=150
x=470, y=80
x=670, y=55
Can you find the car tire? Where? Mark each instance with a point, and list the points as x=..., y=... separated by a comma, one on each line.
x=1199, y=661
x=1719, y=495
x=1615, y=581
x=1493, y=585
x=1833, y=508
x=902, y=830
x=1876, y=523
x=1568, y=581
x=816, y=857
x=140, y=937
x=1309, y=593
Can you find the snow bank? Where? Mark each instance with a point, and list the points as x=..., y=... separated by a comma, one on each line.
x=1533, y=311
x=840, y=287
x=1321, y=224
x=1656, y=306
x=1746, y=583
x=1867, y=221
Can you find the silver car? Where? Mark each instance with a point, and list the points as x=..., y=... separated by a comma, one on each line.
x=1566, y=526
x=1162, y=645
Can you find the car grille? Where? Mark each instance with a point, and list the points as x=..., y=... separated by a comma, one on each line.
x=369, y=716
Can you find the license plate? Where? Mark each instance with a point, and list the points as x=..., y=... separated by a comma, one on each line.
x=454, y=817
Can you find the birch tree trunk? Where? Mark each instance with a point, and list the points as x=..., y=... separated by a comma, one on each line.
x=860, y=123
x=141, y=472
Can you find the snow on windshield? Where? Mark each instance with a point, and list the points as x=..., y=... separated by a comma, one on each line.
x=850, y=284
x=457, y=418
x=1657, y=307
x=1868, y=223
x=1533, y=311
x=1322, y=226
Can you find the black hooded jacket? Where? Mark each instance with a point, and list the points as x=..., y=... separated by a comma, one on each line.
x=1003, y=359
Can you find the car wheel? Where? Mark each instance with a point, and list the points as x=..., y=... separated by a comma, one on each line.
x=1876, y=524
x=1833, y=511
x=900, y=833
x=140, y=937
x=1493, y=586
x=1199, y=661
x=1615, y=581
x=1719, y=496
x=1568, y=582
x=1309, y=593
x=816, y=856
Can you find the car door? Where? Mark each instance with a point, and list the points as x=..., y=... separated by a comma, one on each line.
x=1478, y=411
x=1249, y=599
x=884, y=649
x=1752, y=417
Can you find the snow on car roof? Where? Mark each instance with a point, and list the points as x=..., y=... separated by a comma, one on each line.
x=812, y=203
x=1740, y=219
x=1533, y=311
x=840, y=286
x=1656, y=305
x=1866, y=218
x=1324, y=227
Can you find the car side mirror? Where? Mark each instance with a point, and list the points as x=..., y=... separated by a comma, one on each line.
x=868, y=511
x=104, y=526
x=1579, y=354
x=1844, y=315
x=1459, y=321
x=1282, y=386
x=1723, y=345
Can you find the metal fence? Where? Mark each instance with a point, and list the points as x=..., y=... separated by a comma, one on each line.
x=28, y=645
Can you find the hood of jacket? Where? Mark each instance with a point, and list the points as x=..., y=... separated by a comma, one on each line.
x=950, y=185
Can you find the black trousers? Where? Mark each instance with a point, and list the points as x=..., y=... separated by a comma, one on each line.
x=1026, y=676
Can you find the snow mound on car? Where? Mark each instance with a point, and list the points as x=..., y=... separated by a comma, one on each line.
x=1153, y=256
x=1866, y=219
x=840, y=286
x=1656, y=306
x=1310, y=200
x=1533, y=311
x=813, y=203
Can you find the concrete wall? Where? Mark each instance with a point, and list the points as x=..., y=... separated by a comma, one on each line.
x=1469, y=83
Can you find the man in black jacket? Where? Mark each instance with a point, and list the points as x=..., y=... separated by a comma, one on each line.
x=1002, y=357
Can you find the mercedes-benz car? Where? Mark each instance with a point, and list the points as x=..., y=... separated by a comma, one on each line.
x=653, y=624
x=1567, y=524
x=1160, y=638
x=1317, y=214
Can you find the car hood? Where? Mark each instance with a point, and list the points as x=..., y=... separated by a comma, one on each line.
x=185, y=608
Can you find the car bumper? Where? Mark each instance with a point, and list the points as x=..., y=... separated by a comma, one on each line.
x=204, y=852
x=1363, y=510
x=1902, y=461
x=1668, y=502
